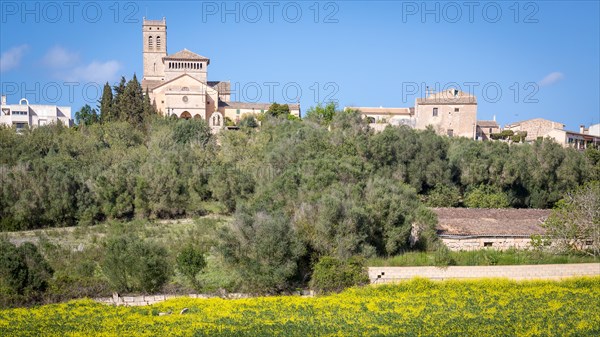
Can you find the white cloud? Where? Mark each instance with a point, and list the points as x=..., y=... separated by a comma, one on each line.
x=99, y=72
x=59, y=57
x=551, y=78
x=11, y=58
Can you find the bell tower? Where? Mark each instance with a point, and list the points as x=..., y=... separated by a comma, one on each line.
x=154, y=35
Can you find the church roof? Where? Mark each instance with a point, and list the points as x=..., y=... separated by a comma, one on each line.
x=487, y=124
x=223, y=87
x=187, y=55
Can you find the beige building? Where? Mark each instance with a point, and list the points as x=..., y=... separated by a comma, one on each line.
x=450, y=112
x=178, y=83
x=543, y=128
x=477, y=228
x=485, y=129
x=235, y=111
x=25, y=115
x=392, y=116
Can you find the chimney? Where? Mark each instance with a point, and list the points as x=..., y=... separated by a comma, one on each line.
x=3, y=99
x=581, y=128
x=494, y=117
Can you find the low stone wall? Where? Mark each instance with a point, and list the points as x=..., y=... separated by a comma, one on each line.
x=152, y=299
x=522, y=272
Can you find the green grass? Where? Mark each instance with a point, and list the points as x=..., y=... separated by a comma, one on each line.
x=483, y=257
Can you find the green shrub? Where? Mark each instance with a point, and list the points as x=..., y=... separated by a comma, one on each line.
x=443, y=196
x=13, y=269
x=486, y=196
x=334, y=275
x=190, y=262
x=131, y=264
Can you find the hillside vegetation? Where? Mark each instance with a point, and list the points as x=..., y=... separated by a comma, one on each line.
x=295, y=191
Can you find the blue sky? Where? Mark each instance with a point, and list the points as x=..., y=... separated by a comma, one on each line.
x=521, y=59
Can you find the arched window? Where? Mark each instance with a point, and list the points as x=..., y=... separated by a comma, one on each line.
x=200, y=65
x=158, y=42
x=150, y=45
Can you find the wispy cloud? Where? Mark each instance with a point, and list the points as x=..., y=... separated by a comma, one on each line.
x=11, y=58
x=59, y=57
x=99, y=72
x=551, y=78
x=67, y=65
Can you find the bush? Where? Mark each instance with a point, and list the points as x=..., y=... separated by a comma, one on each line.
x=334, y=275
x=24, y=274
x=263, y=249
x=486, y=196
x=190, y=262
x=443, y=196
x=131, y=264
x=13, y=269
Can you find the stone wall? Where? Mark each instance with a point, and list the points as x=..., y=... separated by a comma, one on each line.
x=133, y=301
x=476, y=243
x=379, y=275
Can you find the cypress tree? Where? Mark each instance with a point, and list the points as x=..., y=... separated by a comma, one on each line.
x=106, y=104
x=132, y=104
x=118, y=112
x=149, y=108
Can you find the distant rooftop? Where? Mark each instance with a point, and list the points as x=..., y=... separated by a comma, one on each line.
x=490, y=222
x=487, y=124
x=381, y=110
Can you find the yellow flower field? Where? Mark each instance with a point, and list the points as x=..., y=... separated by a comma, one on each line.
x=414, y=308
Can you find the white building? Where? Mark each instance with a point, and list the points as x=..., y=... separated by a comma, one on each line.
x=24, y=115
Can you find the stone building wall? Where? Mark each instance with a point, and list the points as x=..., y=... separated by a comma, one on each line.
x=456, y=114
x=476, y=243
x=537, y=127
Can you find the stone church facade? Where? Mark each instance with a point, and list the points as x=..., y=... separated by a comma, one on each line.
x=178, y=83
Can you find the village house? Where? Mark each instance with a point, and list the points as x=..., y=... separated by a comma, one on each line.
x=543, y=128
x=485, y=129
x=450, y=112
x=25, y=115
x=477, y=228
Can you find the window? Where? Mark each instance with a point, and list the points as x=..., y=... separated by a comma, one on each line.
x=150, y=44
x=20, y=126
x=456, y=109
x=490, y=130
x=237, y=111
x=450, y=132
x=435, y=112
x=589, y=242
x=158, y=42
x=488, y=244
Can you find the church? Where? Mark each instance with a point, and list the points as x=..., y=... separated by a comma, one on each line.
x=177, y=84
